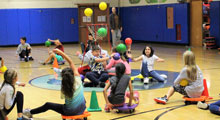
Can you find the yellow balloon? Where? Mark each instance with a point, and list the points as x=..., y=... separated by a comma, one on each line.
x=88, y=12
x=3, y=68
x=184, y=82
x=102, y=5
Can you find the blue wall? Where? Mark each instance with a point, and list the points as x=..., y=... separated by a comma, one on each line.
x=149, y=23
x=144, y=23
x=38, y=25
x=215, y=21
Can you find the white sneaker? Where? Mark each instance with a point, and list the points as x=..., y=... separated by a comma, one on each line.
x=164, y=76
x=27, y=113
x=58, y=71
x=146, y=80
x=202, y=105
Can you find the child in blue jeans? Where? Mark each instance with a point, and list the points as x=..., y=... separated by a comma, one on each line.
x=148, y=58
x=213, y=107
x=98, y=75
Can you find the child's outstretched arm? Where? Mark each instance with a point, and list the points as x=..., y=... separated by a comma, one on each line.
x=72, y=66
x=160, y=60
x=55, y=41
x=106, y=96
x=101, y=59
x=131, y=93
x=135, y=59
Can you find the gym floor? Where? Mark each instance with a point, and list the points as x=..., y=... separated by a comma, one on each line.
x=175, y=109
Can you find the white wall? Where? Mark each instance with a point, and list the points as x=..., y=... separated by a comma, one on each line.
x=10, y=4
x=125, y=3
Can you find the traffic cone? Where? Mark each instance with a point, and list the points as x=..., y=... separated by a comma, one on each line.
x=206, y=91
x=94, y=105
x=55, y=63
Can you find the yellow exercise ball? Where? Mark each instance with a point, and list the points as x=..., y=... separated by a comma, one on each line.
x=184, y=82
x=3, y=69
x=88, y=12
x=102, y=5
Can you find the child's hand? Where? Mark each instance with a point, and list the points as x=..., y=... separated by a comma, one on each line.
x=28, y=48
x=22, y=84
x=103, y=55
x=129, y=55
x=109, y=105
x=48, y=39
x=112, y=54
x=77, y=53
x=129, y=47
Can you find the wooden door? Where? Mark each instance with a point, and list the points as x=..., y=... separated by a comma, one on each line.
x=98, y=17
x=196, y=23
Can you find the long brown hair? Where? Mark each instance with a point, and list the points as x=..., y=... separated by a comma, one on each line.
x=68, y=81
x=9, y=77
x=190, y=63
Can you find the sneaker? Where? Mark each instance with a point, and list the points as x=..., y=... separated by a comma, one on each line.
x=162, y=100
x=164, y=76
x=26, y=59
x=102, y=84
x=165, y=81
x=58, y=71
x=202, y=105
x=146, y=80
x=107, y=109
x=23, y=118
x=31, y=58
x=88, y=84
x=43, y=63
x=51, y=62
x=27, y=113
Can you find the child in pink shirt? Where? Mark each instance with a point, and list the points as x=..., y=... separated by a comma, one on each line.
x=111, y=66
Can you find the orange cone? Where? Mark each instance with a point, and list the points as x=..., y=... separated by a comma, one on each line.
x=55, y=63
x=206, y=91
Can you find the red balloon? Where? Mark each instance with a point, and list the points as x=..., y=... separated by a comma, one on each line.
x=128, y=41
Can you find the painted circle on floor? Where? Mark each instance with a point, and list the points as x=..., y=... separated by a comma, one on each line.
x=53, y=82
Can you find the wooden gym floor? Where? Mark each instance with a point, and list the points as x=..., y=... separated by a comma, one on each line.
x=208, y=61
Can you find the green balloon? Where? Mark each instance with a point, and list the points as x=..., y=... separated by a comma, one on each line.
x=47, y=43
x=102, y=32
x=121, y=48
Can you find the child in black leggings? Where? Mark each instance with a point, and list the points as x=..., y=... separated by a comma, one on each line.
x=9, y=96
x=71, y=88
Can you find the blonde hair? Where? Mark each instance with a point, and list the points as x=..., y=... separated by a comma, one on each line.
x=190, y=63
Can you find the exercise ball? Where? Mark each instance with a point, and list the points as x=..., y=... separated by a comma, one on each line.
x=128, y=41
x=47, y=43
x=184, y=82
x=88, y=12
x=121, y=48
x=116, y=56
x=102, y=32
x=3, y=69
x=102, y=5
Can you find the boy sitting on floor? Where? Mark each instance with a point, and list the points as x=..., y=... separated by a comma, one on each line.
x=98, y=75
